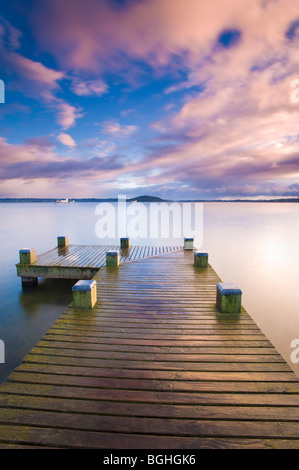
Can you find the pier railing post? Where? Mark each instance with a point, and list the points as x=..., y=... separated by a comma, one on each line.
x=201, y=259
x=62, y=242
x=85, y=294
x=112, y=259
x=228, y=298
x=28, y=256
x=124, y=243
x=188, y=243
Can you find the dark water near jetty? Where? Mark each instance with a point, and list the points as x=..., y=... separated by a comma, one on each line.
x=254, y=245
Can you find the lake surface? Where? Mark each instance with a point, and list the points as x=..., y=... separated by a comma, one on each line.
x=254, y=245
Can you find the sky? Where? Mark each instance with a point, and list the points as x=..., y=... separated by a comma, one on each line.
x=182, y=99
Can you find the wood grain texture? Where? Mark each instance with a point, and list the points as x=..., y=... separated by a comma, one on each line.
x=153, y=365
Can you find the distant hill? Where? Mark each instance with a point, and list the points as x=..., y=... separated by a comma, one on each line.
x=146, y=199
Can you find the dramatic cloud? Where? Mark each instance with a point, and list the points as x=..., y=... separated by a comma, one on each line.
x=192, y=96
x=35, y=162
x=90, y=36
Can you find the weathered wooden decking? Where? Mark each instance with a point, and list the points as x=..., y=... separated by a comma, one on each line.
x=152, y=366
x=84, y=261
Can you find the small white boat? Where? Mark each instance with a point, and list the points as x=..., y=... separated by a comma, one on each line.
x=62, y=201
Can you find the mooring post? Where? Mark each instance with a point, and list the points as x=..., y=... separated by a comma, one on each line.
x=112, y=259
x=125, y=243
x=201, y=259
x=62, y=242
x=188, y=243
x=28, y=256
x=28, y=281
x=228, y=298
x=85, y=294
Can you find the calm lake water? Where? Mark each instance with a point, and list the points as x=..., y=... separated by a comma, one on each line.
x=254, y=245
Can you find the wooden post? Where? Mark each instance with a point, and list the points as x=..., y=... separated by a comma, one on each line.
x=125, y=243
x=200, y=259
x=112, y=259
x=188, y=243
x=85, y=294
x=29, y=281
x=62, y=242
x=228, y=298
x=27, y=256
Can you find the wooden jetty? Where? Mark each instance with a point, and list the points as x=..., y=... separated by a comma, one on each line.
x=153, y=365
x=83, y=261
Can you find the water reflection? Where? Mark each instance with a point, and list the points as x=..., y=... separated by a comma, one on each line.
x=29, y=316
x=63, y=250
x=49, y=292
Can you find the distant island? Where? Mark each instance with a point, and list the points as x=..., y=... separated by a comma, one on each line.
x=146, y=198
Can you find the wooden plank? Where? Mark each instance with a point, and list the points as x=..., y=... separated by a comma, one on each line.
x=65, y=438
x=261, y=385
x=152, y=426
x=157, y=325
x=271, y=398
x=158, y=330
x=163, y=342
x=160, y=353
x=111, y=408
x=169, y=376
x=250, y=347
x=34, y=363
x=90, y=358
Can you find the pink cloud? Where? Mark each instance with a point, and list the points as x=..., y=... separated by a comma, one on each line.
x=34, y=168
x=117, y=129
x=92, y=34
x=89, y=87
x=35, y=71
x=66, y=139
x=66, y=114
x=39, y=148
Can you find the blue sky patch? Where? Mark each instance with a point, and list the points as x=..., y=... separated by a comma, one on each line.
x=229, y=38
